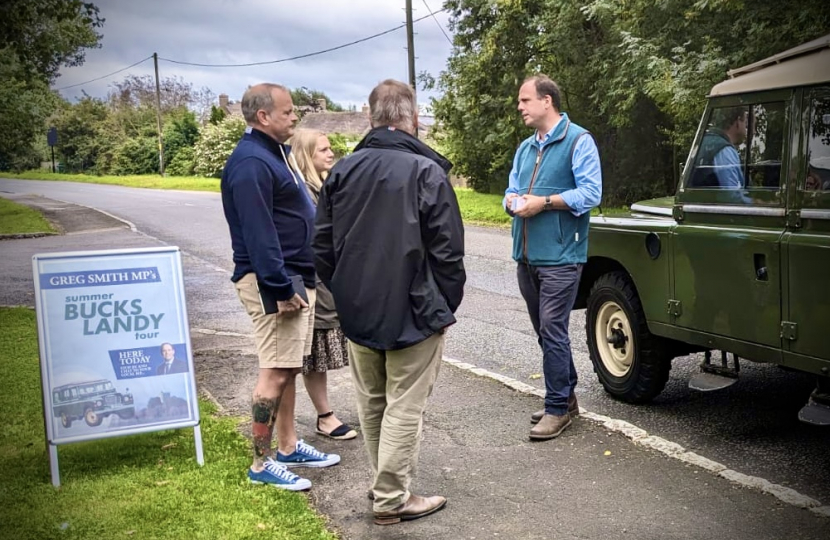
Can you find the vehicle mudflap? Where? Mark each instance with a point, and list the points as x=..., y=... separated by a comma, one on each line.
x=716, y=377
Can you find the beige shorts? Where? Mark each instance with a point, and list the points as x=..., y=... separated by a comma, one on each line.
x=281, y=341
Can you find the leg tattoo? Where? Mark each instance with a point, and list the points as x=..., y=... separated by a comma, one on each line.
x=265, y=414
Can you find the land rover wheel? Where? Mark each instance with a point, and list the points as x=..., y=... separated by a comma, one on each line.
x=92, y=418
x=631, y=363
x=66, y=420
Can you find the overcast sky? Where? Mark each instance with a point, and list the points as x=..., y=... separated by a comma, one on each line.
x=245, y=31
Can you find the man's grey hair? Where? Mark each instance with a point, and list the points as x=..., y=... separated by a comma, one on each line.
x=259, y=97
x=392, y=103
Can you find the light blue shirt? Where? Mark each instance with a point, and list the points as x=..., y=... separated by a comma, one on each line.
x=728, y=168
x=587, y=172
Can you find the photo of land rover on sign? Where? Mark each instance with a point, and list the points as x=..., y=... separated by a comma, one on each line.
x=91, y=400
x=737, y=262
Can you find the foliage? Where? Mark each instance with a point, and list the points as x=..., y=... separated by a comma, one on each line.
x=16, y=218
x=80, y=134
x=303, y=97
x=635, y=73
x=137, y=155
x=342, y=145
x=140, y=92
x=37, y=37
x=180, y=131
x=216, y=114
x=183, y=162
x=47, y=34
x=125, y=486
x=216, y=144
x=25, y=104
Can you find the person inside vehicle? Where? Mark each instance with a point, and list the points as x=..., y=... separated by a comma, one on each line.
x=718, y=164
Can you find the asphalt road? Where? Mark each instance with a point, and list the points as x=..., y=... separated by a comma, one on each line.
x=750, y=427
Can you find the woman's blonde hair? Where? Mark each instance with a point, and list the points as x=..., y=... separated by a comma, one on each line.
x=303, y=145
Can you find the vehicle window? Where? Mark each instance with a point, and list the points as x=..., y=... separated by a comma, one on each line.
x=818, y=146
x=741, y=148
x=766, y=130
x=56, y=396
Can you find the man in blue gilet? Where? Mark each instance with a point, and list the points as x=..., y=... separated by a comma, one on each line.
x=555, y=182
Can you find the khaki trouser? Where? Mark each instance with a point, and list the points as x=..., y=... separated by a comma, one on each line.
x=392, y=388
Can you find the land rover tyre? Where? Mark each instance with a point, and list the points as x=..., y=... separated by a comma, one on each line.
x=92, y=418
x=126, y=414
x=66, y=420
x=631, y=363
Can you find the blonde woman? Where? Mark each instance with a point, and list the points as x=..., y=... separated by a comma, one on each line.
x=312, y=157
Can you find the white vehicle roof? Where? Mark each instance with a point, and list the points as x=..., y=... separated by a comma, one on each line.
x=804, y=65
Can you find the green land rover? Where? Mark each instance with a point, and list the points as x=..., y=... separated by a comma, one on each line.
x=738, y=260
x=91, y=400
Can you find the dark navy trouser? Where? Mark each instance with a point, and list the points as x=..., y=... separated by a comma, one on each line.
x=549, y=292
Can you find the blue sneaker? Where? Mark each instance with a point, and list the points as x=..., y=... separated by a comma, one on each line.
x=307, y=456
x=277, y=475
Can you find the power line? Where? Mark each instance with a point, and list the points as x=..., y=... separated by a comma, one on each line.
x=300, y=56
x=316, y=53
x=429, y=10
x=103, y=76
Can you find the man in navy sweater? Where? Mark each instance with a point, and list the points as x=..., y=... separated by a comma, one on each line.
x=271, y=220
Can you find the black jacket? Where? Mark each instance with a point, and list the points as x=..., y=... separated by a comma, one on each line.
x=389, y=241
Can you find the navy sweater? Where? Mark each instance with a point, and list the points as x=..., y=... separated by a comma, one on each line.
x=269, y=213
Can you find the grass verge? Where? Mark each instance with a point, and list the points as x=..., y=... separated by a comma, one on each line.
x=152, y=181
x=133, y=487
x=476, y=208
x=16, y=219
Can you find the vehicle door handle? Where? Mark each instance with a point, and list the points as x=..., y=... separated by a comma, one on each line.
x=761, y=273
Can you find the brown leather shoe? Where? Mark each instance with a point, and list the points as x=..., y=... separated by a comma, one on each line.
x=550, y=426
x=573, y=410
x=415, y=507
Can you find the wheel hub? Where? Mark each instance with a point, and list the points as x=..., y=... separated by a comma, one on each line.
x=613, y=338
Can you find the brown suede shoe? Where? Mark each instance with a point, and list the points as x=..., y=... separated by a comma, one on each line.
x=573, y=410
x=415, y=507
x=550, y=426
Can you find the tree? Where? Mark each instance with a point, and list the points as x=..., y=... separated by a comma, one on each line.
x=37, y=38
x=140, y=91
x=25, y=103
x=81, y=134
x=303, y=97
x=216, y=114
x=634, y=73
x=45, y=35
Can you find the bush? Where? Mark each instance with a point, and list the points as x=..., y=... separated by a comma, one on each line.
x=136, y=156
x=182, y=163
x=342, y=145
x=215, y=144
x=180, y=131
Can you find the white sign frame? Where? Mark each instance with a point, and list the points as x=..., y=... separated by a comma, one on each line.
x=108, y=320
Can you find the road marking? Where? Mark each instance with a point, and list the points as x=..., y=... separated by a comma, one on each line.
x=673, y=450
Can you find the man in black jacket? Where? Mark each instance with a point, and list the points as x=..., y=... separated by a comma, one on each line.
x=389, y=244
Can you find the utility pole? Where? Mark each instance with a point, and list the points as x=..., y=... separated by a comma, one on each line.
x=158, y=114
x=410, y=50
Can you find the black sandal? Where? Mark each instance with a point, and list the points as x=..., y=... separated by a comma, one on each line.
x=343, y=432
